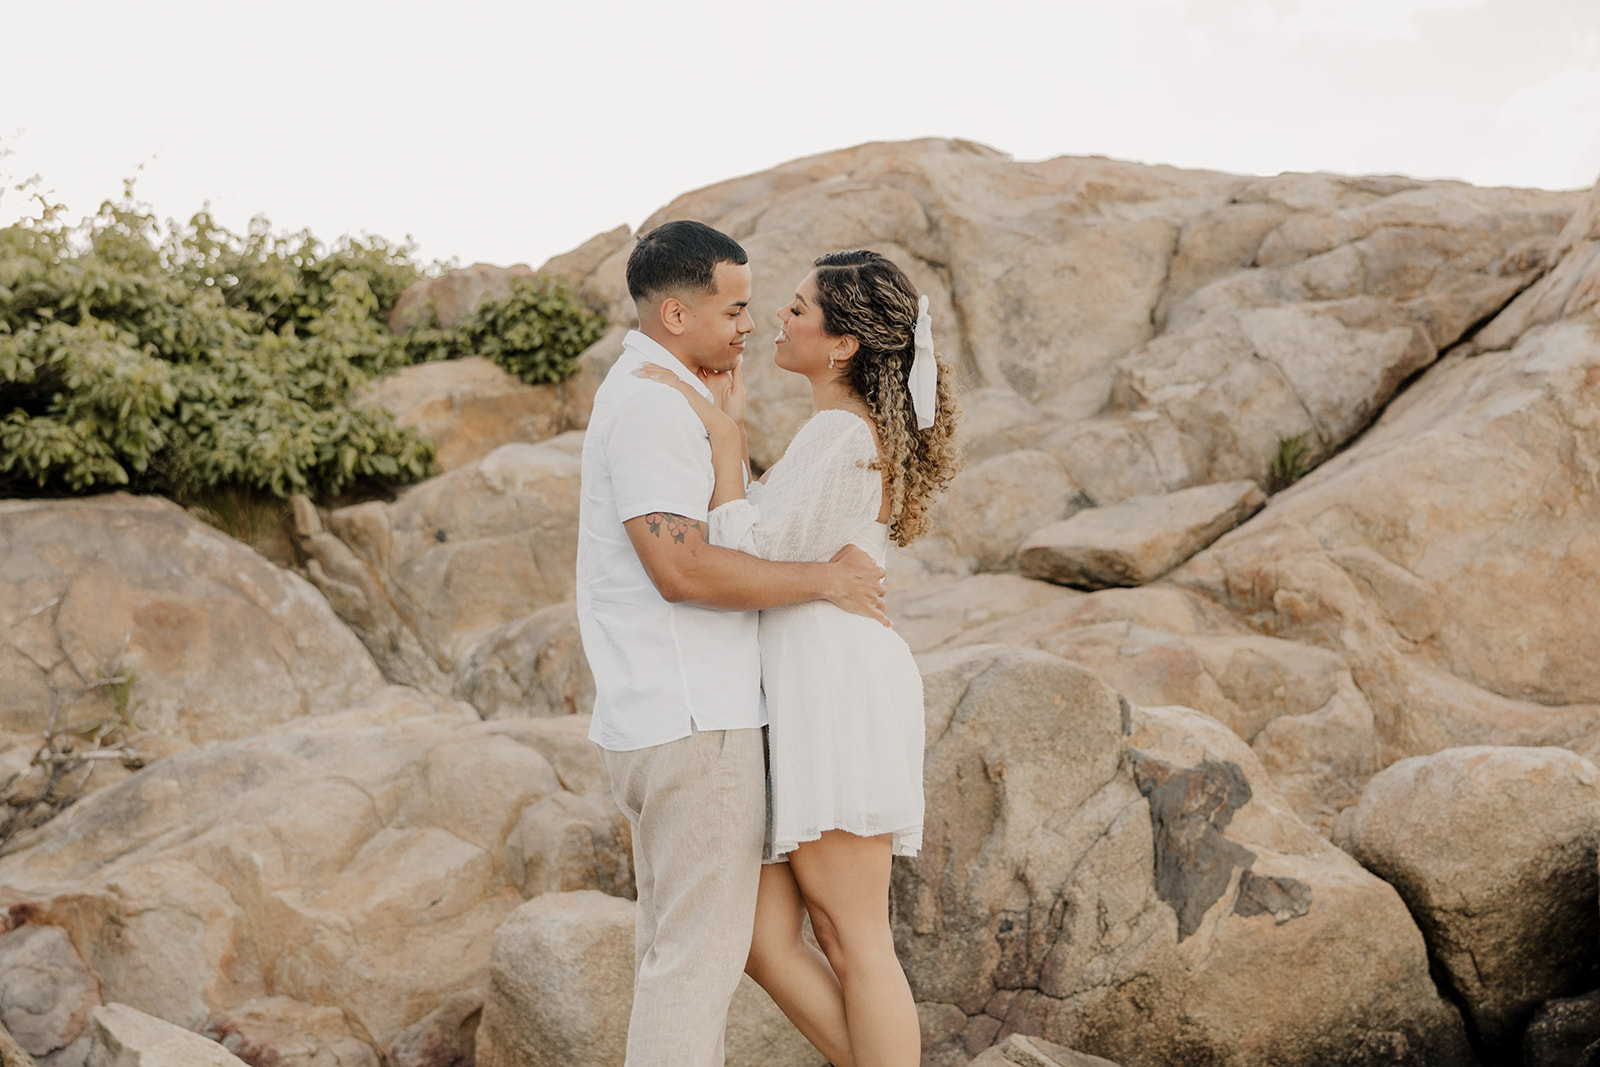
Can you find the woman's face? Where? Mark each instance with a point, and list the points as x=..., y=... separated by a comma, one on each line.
x=803, y=345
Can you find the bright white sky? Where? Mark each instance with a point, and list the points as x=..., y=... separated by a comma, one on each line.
x=510, y=131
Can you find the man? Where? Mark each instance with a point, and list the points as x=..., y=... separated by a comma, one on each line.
x=669, y=627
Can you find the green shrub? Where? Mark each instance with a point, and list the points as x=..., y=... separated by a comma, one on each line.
x=191, y=360
x=536, y=332
x=200, y=359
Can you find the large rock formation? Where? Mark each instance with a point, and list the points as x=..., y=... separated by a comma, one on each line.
x=215, y=642
x=357, y=862
x=452, y=563
x=1128, y=883
x=1135, y=879
x=1147, y=307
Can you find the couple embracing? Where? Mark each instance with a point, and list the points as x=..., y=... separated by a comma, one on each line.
x=712, y=606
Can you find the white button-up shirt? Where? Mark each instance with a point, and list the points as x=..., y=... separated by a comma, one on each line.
x=657, y=666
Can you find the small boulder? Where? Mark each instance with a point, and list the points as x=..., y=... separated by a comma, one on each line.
x=1564, y=1033
x=561, y=989
x=127, y=1037
x=445, y=1037
x=468, y=407
x=566, y=842
x=1138, y=540
x=993, y=504
x=531, y=667
x=1020, y=1051
x=1494, y=851
x=46, y=992
x=286, y=1032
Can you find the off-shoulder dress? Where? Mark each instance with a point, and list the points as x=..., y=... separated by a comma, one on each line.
x=844, y=697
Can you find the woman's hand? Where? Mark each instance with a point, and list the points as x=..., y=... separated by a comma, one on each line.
x=727, y=387
x=715, y=420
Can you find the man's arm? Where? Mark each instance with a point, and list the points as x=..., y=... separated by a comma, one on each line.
x=686, y=569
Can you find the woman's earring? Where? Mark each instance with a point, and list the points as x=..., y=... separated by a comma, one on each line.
x=830, y=362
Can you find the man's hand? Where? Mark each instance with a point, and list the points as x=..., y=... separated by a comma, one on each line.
x=858, y=586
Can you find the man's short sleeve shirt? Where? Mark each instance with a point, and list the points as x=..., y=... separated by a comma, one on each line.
x=658, y=667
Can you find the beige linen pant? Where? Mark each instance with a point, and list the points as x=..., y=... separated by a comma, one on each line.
x=698, y=807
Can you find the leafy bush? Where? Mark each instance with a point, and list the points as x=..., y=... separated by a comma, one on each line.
x=197, y=359
x=536, y=332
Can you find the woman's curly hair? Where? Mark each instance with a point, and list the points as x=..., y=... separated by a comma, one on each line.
x=865, y=296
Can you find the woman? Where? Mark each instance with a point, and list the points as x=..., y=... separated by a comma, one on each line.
x=844, y=698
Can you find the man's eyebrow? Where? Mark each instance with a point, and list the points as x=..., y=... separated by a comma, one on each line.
x=739, y=304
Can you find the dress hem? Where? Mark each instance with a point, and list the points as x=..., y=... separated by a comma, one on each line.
x=907, y=841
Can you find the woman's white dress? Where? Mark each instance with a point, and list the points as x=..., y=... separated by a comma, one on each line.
x=844, y=697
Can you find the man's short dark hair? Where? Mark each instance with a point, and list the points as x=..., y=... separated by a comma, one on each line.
x=680, y=256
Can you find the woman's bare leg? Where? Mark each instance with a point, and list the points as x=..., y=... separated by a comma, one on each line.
x=795, y=975
x=844, y=881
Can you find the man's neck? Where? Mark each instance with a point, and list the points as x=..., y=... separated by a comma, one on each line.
x=667, y=341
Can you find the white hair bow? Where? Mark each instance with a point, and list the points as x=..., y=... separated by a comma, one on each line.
x=924, y=382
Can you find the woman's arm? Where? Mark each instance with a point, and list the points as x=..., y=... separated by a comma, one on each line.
x=727, y=388
x=727, y=436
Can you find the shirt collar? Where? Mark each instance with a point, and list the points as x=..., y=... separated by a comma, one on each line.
x=649, y=350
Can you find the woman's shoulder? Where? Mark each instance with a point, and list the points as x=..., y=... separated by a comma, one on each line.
x=839, y=424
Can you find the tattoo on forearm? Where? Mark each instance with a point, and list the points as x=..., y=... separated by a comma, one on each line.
x=677, y=526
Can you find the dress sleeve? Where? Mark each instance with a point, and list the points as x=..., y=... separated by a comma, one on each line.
x=822, y=493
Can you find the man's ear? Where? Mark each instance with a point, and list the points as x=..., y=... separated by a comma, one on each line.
x=674, y=316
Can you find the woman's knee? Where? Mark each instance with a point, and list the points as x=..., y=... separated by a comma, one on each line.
x=772, y=946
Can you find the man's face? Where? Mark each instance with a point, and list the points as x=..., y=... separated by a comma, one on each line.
x=716, y=324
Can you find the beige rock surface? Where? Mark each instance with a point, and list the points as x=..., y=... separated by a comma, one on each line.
x=220, y=643
x=1429, y=587
x=1138, y=540
x=562, y=986
x=353, y=863
x=469, y=407
x=1119, y=331
x=46, y=992
x=424, y=579
x=1036, y=1052
x=286, y=1032
x=1494, y=851
x=1308, y=296
x=1449, y=557
x=127, y=1037
x=931, y=615
x=453, y=295
x=992, y=506
x=1128, y=882
x=532, y=666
